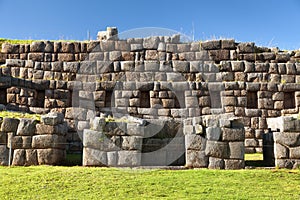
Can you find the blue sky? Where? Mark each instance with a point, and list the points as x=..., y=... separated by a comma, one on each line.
x=266, y=22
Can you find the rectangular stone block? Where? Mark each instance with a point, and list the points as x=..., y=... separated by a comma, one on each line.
x=50, y=156
x=60, y=129
x=129, y=158
x=280, y=151
x=48, y=141
x=234, y=164
x=230, y=134
x=217, y=149
x=295, y=153
x=237, y=150
x=196, y=159
x=132, y=143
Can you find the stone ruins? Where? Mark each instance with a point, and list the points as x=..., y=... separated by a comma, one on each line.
x=150, y=101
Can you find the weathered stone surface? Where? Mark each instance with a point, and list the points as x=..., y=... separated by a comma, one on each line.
x=217, y=149
x=4, y=154
x=246, y=48
x=196, y=159
x=50, y=156
x=230, y=134
x=48, y=141
x=31, y=157
x=151, y=42
x=112, y=158
x=10, y=125
x=129, y=158
x=19, y=157
x=295, y=153
x=3, y=138
x=60, y=129
x=93, y=157
x=195, y=142
x=213, y=133
x=132, y=143
x=216, y=163
x=237, y=150
x=211, y=45
x=234, y=164
x=290, y=139
x=26, y=127
x=52, y=119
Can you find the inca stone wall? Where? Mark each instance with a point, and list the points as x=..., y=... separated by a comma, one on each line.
x=152, y=78
x=25, y=142
x=287, y=141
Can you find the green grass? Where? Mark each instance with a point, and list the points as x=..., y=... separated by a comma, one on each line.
x=254, y=156
x=18, y=115
x=46, y=182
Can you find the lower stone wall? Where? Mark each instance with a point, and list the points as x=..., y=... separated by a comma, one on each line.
x=215, y=142
x=25, y=142
x=287, y=143
x=133, y=142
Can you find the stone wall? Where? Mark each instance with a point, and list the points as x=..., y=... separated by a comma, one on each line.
x=287, y=142
x=152, y=78
x=215, y=142
x=130, y=143
x=25, y=142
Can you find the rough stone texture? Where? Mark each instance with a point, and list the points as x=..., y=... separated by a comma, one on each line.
x=161, y=78
x=217, y=149
x=50, y=156
x=10, y=125
x=4, y=154
x=129, y=158
x=26, y=127
x=53, y=119
x=196, y=159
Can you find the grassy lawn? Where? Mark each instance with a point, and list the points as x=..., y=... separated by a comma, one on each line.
x=46, y=182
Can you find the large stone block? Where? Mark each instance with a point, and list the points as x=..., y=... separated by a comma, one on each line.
x=132, y=143
x=10, y=125
x=3, y=138
x=52, y=119
x=60, y=129
x=295, y=153
x=290, y=139
x=237, y=150
x=93, y=157
x=50, y=156
x=213, y=133
x=217, y=149
x=216, y=163
x=195, y=142
x=196, y=159
x=129, y=158
x=234, y=164
x=26, y=127
x=19, y=157
x=181, y=66
x=48, y=141
x=4, y=154
x=31, y=157
x=151, y=42
x=231, y=134
x=211, y=45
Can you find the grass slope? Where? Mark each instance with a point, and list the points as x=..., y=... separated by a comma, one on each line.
x=46, y=182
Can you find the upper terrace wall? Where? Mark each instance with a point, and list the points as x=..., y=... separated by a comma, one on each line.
x=155, y=77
